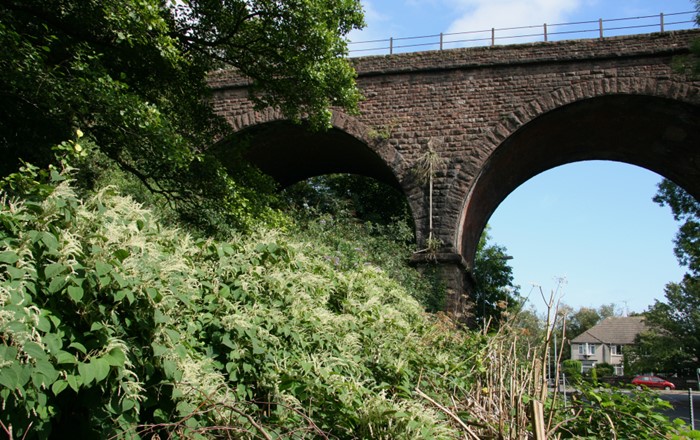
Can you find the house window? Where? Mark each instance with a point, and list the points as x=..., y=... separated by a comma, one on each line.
x=616, y=350
x=586, y=349
x=619, y=370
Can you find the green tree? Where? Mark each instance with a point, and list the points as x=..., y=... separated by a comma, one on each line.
x=584, y=318
x=132, y=75
x=495, y=295
x=581, y=320
x=672, y=343
x=685, y=209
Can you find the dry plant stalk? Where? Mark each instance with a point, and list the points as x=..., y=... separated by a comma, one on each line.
x=512, y=374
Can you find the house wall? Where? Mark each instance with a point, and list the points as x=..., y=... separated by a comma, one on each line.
x=603, y=354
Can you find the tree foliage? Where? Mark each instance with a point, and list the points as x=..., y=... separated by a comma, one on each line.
x=132, y=75
x=685, y=209
x=578, y=321
x=673, y=342
x=494, y=291
x=367, y=199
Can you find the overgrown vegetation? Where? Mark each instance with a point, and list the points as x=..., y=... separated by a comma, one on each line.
x=116, y=326
x=126, y=319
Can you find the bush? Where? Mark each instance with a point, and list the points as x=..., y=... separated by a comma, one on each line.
x=113, y=324
x=572, y=369
x=604, y=370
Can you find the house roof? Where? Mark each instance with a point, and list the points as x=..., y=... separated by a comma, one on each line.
x=613, y=331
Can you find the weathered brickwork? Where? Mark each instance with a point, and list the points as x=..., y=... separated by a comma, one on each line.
x=497, y=114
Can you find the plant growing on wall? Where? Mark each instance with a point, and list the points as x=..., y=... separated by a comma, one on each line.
x=426, y=166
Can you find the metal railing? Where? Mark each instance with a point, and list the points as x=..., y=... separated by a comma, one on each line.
x=600, y=28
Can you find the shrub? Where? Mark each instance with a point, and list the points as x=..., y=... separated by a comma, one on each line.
x=572, y=369
x=604, y=370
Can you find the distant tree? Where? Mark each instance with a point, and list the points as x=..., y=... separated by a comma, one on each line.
x=581, y=320
x=494, y=291
x=578, y=321
x=685, y=209
x=672, y=343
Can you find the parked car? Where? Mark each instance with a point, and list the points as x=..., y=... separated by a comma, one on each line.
x=653, y=382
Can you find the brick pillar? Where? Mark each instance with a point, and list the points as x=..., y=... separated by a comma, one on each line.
x=452, y=269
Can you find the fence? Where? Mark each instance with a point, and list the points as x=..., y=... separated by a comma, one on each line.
x=600, y=28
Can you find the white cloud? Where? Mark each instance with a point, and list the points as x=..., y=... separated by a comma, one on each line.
x=373, y=21
x=477, y=15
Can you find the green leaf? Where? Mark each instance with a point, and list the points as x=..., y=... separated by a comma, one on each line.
x=9, y=378
x=115, y=357
x=128, y=404
x=56, y=284
x=160, y=317
x=35, y=350
x=54, y=269
x=102, y=268
x=23, y=372
x=47, y=370
x=101, y=369
x=44, y=324
x=73, y=382
x=63, y=357
x=171, y=370
x=173, y=334
x=122, y=254
x=76, y=293
x=123, y=282
x=58, y=386
x=78, y=346
x=50, y=241
x=87, y=372
x=8, y=257
x=8, y=353
x=53, y=342
x=15, y=273
x=257, y=349
x=159, y=350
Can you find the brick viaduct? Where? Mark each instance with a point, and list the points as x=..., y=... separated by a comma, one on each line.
x=497, y=116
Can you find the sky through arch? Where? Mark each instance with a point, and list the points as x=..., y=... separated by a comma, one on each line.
x=595, y=224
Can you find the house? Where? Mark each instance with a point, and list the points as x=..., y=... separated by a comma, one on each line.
x=603, y=342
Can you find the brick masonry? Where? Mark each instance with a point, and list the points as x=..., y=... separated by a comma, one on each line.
x=501, y=115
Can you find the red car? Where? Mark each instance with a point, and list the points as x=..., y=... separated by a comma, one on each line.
x=653, y=382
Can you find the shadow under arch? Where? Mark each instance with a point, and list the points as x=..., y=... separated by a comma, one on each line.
x=290, y=152
x=656, y=133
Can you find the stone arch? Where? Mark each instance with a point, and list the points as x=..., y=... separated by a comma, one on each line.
x=341, y=124
x=349, y=146
x=613, y=117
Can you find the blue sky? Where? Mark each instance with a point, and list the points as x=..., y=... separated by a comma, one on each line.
x=592, y=223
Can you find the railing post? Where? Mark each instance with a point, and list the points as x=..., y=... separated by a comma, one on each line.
x=545, y=32
x=441, y=40
x=391, y=45
x=662, y=21
x=600, y=27
x=692, y=412
x=493, y=36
